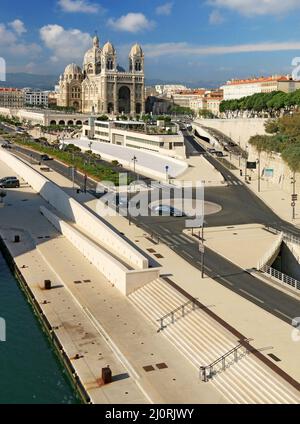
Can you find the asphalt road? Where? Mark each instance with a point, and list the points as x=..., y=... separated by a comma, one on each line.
x=240, y=206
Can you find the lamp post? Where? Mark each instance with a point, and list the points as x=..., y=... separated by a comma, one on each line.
x=258, y=181
x=246, y=159
x=294, y=195
x=167, y=173
x=202, y=249
x=134, y=160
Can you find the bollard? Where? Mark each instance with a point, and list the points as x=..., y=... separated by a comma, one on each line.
x=17, y=239
x=47, y=285
x=106, y=375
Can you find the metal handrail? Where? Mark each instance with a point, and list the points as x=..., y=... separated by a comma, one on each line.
x=222, y=359
x=173, y=312
x=281, y=277
x=286, y=236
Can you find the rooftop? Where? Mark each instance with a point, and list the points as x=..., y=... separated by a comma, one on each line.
x=259, y=80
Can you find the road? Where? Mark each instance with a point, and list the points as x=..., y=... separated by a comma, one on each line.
x=240, y=206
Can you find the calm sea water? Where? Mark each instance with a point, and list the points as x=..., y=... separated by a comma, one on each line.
x=30, y=372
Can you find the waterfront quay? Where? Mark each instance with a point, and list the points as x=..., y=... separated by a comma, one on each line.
x=91, y=323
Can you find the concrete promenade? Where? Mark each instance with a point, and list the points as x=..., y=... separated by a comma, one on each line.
x=95, y=324
x=235, y=310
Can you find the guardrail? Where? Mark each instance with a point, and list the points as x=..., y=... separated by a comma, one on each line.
x=172, y=314
x=282, y=278
x=208, y=372
x=286, y=236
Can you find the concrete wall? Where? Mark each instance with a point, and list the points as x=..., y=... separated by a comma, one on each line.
x=290, y=254
x=124, y=280
x=75, y=212
x=281, y=172
x=240, y=130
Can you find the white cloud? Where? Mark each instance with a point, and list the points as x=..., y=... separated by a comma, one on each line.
x=216, y=18
x=18, y=26
x=65, y=44
x=81, y=6
x=258, y=7
x=132, y=22
x=185, y=49
x=11, y=46
x=164, y=9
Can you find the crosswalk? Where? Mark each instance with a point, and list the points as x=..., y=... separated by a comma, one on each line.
x=233, y=182
x=174, y=239
x=202, y=340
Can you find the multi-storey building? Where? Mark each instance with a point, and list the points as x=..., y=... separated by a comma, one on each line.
x=102, y=86
x=37, y=98
x=183, y=98
x=236, y=89
x=11, y=98
x=169, y=89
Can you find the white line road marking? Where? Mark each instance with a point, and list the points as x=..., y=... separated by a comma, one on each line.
x=166, y=230
x=251, y=295
x=187, y=254
x=178, y=238
x=226, y=281
x=281, y=313
x=187, y=238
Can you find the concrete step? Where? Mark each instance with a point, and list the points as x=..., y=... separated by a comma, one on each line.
x=202, y=341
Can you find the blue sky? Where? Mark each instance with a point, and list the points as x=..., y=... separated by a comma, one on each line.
x=184, y=40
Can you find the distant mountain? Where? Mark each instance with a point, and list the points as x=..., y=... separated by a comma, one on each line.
x=197, y=84
x=47, y=82
x=22, y=79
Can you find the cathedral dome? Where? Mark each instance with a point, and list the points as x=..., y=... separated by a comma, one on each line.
x=93, y=55
x=108, y=48
x=136, y=50
x=73, y=69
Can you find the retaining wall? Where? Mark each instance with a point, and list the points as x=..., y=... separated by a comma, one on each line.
x=75, y=212
x=124, y=279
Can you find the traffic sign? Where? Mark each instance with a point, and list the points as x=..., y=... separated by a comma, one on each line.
x=293, y=204
x=201, y=248
x=294, y=197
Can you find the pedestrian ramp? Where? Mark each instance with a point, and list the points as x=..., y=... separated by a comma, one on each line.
x=202, y=340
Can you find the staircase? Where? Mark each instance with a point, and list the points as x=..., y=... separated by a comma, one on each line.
x=202, y=340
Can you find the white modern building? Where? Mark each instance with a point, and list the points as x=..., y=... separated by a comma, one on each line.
x=138, y=135
x=36, y=98
x=236, y=89
x=169, y=89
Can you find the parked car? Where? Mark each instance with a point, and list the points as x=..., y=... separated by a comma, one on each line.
x=2, y=180
x=6, y=146
x=12, y=183
x=211, y=150
x=46, y=157
x=219, y=154
x=165, y=210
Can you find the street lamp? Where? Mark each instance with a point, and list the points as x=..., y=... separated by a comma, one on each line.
x=246, y=160
x=134, y=160
x=294, y=195
x=167, y=173
x=258, y=181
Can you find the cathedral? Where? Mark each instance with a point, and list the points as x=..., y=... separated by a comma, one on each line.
x=103, y=87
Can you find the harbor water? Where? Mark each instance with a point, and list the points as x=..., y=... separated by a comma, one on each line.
x=30, y=371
